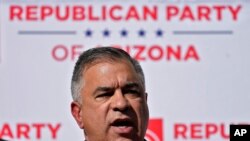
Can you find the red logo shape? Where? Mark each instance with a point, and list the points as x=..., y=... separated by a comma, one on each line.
x=155, y=130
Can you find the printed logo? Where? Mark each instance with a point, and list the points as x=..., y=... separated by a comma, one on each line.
x=239, y=132
x=155, y=130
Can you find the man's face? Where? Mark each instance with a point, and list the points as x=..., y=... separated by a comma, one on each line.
x=114, y=105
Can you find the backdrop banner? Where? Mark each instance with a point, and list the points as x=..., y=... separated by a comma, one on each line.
x=195, y=54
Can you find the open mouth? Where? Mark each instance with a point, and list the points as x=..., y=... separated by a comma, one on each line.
x=122, y=123
x=123, y=126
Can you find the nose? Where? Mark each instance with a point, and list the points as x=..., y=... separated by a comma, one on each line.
x=119, y=101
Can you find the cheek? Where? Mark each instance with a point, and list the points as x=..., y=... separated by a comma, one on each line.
x=139, y=107
x=94, y=111
x=143, y=116
x=94, y=119
x=88, y=110
x=142, y=111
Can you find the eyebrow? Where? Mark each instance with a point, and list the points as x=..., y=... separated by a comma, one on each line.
x=129, y=85
x=103, y=89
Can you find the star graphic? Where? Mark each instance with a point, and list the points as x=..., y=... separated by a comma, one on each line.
x=159, y=33
x=141, y=33
x=106, y=33
x=124, y=33
x=88, y=33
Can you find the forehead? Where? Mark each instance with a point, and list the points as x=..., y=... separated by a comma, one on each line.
x=107, y=71
x=104, y=61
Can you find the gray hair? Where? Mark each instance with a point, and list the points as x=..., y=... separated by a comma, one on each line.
x=94, y=55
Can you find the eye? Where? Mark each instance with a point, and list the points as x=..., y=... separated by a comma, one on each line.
x=104, y=95
x=132, y=93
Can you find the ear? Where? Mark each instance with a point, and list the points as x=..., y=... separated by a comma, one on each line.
x=146, y=96
x=76, y=111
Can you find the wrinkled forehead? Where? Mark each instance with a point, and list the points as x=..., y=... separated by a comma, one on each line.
x=107, y=60
x=123, y=61
x=111, y=73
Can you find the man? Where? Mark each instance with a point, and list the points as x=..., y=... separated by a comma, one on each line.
x=109, y=98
